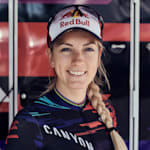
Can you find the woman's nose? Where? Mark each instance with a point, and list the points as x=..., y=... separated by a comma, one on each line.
x=77, y=56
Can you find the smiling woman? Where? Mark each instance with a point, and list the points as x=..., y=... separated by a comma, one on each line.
x=75, y=59
x=71, y=114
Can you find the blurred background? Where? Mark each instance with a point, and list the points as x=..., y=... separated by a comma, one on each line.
x=34, y=69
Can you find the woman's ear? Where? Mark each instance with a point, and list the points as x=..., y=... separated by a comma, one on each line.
x=49, y=54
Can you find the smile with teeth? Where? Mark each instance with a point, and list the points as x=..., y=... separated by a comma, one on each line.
x=77, y=73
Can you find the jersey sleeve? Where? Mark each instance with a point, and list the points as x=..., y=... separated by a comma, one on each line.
x=24, y=134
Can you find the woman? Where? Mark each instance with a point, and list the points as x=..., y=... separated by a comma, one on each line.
x=71, y=114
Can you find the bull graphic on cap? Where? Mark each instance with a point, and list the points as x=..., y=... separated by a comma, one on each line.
x=74, y=13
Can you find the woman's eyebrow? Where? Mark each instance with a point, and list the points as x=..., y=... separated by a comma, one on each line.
x=86, y=44
x=68, y=44
x=63, y=43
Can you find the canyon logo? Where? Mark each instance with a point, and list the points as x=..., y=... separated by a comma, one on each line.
x=68, y=136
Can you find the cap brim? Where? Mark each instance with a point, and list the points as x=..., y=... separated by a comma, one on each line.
x=77, y=28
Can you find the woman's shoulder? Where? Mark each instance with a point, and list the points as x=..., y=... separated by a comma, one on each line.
x=107, y=101
x=24, y=115
x=109, y=104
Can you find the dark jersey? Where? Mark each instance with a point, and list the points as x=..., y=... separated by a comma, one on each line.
x=53, y=122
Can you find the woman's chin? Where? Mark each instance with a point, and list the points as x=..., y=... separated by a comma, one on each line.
x=78, y=86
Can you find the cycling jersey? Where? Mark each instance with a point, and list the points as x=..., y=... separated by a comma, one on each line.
x=53, y=122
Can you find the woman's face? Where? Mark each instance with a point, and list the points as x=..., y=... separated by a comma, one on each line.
x=75, y=58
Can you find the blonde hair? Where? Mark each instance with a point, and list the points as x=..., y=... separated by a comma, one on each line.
x=101, y=71
x=98, y=104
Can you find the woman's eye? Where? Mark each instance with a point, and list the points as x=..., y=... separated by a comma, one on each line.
x=65, y=49
x=89, y=49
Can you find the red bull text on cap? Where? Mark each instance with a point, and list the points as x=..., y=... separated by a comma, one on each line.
x=75, y=16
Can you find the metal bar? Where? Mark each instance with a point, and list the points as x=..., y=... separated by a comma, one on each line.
x=10, y=12
x=13, y=58
x=134, y=74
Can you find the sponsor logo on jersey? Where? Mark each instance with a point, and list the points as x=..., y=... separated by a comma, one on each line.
x=68, y=136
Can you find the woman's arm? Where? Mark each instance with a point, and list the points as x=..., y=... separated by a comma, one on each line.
x=24, y=133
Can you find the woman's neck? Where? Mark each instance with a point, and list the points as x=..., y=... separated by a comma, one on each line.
x=75, y=95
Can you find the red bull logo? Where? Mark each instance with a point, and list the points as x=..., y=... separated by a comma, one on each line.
x=74, y=14
x=69, y=14
x=74, y=21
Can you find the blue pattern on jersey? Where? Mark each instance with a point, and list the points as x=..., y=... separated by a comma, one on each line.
x=48, y=102
x=35, y=114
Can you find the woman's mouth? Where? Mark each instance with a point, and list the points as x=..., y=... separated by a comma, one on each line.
x=77, y=73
